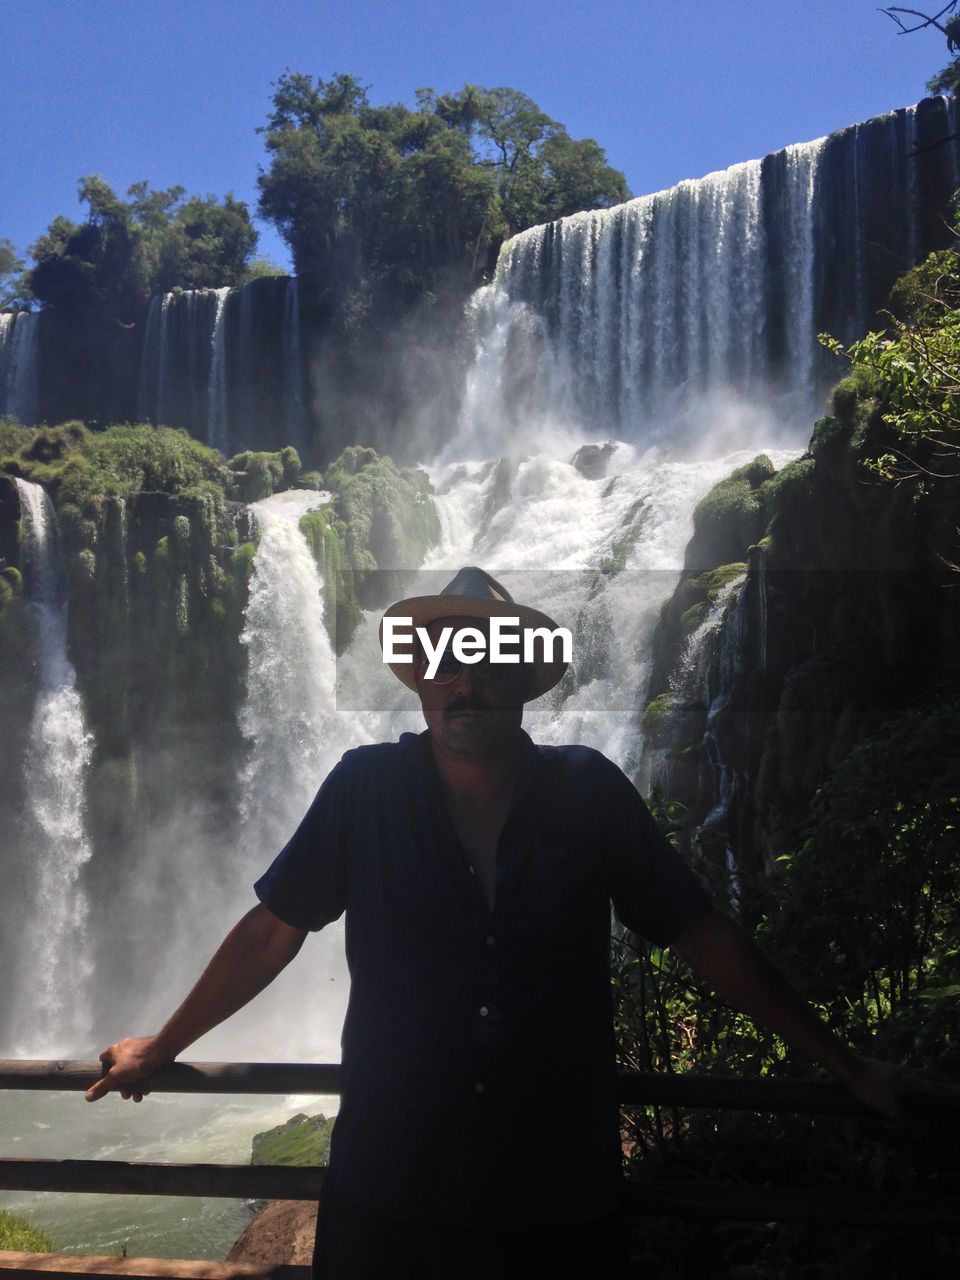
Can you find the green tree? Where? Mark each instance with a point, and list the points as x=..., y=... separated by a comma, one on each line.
x=910, y=374
x=130, y=249
x=12, y=288
x=542, y=173
x=388, y=203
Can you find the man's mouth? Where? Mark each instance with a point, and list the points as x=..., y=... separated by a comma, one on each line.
x=464, y=712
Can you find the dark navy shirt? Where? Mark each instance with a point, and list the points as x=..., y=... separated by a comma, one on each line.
x=478, y=1058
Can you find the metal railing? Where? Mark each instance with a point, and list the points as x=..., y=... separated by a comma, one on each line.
x=686, y=1200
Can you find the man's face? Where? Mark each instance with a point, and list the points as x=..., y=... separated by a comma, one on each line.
x=479, y=711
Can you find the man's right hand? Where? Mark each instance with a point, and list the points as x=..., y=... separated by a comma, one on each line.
x=127, y=1063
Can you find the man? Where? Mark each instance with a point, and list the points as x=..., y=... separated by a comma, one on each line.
x=478, y=1130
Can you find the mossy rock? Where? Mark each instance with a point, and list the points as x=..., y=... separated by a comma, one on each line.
x=258, y=475
x=673, y=722
x=831, y=436
x=302, y=1141
x=241, y=560
x=692, y=618
x=731, y=517
x=389, y=518
x=714, y=580
x=326, y=538
x=789, y=491
x=631, y=527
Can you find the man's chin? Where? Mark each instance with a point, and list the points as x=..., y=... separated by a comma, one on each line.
x=470, y=734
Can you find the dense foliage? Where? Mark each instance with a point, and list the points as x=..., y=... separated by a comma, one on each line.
x=903, y=391
x=385, y=203
x=129, y=249
x=79, y=466
x=879, y=954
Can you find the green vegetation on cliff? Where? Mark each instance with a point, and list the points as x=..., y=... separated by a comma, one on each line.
x=78, y=465
x=303, y=1140
x=389, y=521
x=900, y=404
x=16, y=1233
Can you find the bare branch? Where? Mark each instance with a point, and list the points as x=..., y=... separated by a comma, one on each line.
x=927, y=20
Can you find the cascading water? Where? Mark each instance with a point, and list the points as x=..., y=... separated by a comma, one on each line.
x=289, y=716
x=656, y=308
x=217, y=424
x=293, y=406
x=51, y=1011
x=19, y=373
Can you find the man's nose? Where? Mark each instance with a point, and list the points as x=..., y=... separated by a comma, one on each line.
x=469, y=679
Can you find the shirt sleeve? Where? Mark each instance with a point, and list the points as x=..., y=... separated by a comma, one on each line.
x=654, y=892
x=305, y=885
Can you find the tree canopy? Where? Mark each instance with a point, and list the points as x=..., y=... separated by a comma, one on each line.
x=131, y=248
x=389, y=201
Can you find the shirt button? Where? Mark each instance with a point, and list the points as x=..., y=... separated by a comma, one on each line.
x=484, y=1011
x=478, y=1087
x=489, y=941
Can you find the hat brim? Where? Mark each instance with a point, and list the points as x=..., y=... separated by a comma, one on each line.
x=422, y=610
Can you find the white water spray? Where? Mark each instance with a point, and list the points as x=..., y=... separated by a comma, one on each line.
x=51, y=1009
x=289, y=716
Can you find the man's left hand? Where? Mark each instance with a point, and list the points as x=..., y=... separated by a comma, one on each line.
x=883, y=1086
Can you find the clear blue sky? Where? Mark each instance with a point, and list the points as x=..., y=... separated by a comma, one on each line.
x=173, y=90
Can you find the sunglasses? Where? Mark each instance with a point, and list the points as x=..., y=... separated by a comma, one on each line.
x=449, y=667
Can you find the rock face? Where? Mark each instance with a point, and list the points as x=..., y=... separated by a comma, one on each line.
x=281, y=1234
x=835, y=613
x=283, y=1231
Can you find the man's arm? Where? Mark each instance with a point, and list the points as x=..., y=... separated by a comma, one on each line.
x=728, y=959
x=249, y=958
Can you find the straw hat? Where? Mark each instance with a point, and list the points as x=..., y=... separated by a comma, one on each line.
x=473, y=593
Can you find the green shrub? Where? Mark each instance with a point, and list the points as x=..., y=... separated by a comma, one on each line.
x=78, y=465
x=17, y=1234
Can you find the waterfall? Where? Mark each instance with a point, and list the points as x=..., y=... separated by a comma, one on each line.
x=51, y=1008
x=690, y=670
x=675, y=316
x=656, y=307
x=217, y=426
x=293, y=406
x=288, y=717
x=19, y=372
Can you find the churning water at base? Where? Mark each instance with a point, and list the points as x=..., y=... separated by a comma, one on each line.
x=51, y=1011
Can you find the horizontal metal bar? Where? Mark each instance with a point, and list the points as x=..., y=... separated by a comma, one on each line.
x=122, y=1178
x=657, y=1199
x=50, y=1266
x=774, y=1204
x=181, y=1077
x=635, y=1088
